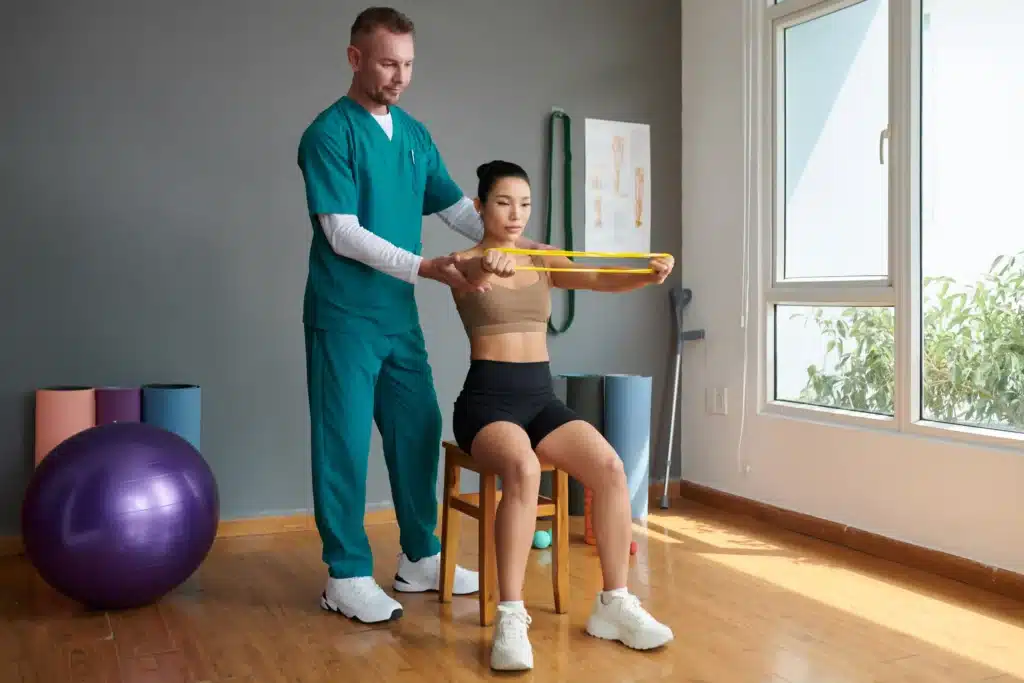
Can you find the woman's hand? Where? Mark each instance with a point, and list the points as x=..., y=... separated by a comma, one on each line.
x=498, y=263
x=478, y=270
x=662, y=267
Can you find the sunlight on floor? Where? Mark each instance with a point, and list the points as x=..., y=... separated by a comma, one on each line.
x=653, y=533
x=678, y=529
x=974, y=636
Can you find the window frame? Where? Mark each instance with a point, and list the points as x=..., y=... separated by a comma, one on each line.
x=900, y=289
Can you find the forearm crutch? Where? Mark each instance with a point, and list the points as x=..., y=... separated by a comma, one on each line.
x=680, y=298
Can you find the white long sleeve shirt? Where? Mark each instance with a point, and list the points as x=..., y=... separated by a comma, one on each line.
x=348, y=238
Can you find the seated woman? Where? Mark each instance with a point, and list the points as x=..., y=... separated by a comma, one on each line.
x=508, y=418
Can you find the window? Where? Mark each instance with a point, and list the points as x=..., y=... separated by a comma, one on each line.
x=892, y=239
x=832, y=199
x=844, y=354
x=972, y=225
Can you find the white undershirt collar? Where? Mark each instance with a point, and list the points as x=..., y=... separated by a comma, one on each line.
x=385, y=122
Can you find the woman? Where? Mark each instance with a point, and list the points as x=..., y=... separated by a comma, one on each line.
x=508, y=418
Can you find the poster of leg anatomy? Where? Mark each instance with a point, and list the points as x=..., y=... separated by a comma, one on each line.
x=618, y=186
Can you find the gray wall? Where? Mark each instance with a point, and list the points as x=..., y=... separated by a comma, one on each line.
x=153, y=220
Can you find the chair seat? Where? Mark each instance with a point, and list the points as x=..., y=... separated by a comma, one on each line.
x=482, y=507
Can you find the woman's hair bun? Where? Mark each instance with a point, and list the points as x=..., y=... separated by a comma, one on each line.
x=493, y=171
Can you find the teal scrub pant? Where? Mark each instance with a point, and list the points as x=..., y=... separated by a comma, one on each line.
x=354, y=379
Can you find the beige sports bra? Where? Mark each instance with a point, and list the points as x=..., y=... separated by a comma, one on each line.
x=504, y=309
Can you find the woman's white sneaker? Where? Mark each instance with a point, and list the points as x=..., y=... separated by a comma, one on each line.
x=511, y=649
x=361, y=599
x=620, y=616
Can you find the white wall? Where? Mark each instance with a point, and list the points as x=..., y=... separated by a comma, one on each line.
x=952, y=497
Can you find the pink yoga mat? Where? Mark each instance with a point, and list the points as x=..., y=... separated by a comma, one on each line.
x=62, y=412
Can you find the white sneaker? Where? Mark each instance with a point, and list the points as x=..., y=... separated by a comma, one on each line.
x=623, y=619
x=360, y=599
x=511, y=649
x=425, y=575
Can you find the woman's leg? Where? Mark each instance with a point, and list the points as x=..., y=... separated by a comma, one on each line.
x=576, y=447
x=504, y=448
x=580, y=450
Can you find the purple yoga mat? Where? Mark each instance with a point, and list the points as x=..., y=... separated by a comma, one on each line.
x=118, y=404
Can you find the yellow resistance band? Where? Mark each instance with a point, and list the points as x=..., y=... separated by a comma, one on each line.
x=584, y=254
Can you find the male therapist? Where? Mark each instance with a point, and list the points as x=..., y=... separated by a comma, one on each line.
x=371, y=173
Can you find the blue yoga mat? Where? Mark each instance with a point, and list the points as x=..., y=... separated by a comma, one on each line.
x=176, y=408
x=627, y=426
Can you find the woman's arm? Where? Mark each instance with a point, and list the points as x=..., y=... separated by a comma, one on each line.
x=661, y=267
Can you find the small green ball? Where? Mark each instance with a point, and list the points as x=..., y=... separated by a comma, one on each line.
x=541, y=539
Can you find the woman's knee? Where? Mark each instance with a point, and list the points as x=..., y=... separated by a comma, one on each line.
x=580, y=449
x=504, y=448
x=609, y=469
x=522, y=472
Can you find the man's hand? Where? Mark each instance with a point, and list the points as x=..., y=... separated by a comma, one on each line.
x=446, y=270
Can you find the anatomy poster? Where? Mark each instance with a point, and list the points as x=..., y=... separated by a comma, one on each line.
x=618, y=186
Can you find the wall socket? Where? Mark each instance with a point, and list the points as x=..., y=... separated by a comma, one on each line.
x=717, y=400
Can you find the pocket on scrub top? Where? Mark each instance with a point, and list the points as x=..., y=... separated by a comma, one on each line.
x=417, y=165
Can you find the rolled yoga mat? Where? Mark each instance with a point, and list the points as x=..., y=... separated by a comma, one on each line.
x=627, y=426
x=118, y=404
x=62, y=412
x=176, y=408
x=584, y=394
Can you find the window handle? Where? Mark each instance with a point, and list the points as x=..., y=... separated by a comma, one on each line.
x=882, y=137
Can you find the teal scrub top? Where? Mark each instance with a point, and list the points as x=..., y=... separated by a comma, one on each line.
x=350, y=166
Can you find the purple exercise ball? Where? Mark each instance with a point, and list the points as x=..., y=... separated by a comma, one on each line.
x=120, y=514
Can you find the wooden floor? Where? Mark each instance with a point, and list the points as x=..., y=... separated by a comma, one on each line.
x=749, y=604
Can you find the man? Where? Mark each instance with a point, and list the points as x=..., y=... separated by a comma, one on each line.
x=371, y=173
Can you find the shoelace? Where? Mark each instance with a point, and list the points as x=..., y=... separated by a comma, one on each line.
x=634, y=612
x=513, y=624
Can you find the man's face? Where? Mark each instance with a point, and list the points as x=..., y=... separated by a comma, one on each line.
x=382, y=62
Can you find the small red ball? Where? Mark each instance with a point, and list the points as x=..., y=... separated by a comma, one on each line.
x=633, y=547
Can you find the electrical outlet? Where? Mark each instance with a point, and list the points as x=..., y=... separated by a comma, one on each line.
x=717, y=401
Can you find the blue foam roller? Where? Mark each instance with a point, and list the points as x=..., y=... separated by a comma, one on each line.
x=176, y=408
x=627, y=427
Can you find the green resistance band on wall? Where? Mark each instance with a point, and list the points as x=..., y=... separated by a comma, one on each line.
x=566, y=201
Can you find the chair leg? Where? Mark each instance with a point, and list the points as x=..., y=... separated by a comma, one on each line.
x=488, y=553
x=560, y=541
x=449, y=532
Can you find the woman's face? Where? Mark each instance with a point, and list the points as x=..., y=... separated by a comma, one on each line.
x=507, y=210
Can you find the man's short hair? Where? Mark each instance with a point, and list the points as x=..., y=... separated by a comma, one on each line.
x=372, y=18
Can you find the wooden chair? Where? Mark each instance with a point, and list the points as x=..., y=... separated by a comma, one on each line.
x=482, y=507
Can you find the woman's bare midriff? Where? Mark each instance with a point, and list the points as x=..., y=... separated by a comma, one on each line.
x=510, y=347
